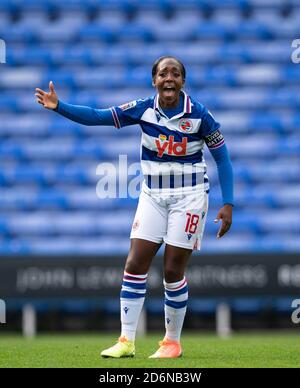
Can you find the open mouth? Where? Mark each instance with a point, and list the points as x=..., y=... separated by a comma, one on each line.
x=169, y=88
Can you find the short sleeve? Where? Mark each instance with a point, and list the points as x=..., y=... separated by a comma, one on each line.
x=210, y=131
x=129, y=113
x=208, y=123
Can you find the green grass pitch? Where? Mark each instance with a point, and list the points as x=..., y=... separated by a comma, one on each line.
x=200, y=351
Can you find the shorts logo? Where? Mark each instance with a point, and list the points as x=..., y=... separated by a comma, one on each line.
x=135, y=225
x=170, y=147
x=189, y=236
x=186, y=125
x=129, y=105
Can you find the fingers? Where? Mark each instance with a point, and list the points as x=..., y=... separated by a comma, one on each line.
x=51, y=86
x=224, y=228
x=39, y=95
x=216, y=221
x=38, y=90
x=219, y=232
x=39, y=99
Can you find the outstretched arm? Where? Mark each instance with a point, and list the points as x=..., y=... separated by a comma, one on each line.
x=81, y=114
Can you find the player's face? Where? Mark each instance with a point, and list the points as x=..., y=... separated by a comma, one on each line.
x=168, y=81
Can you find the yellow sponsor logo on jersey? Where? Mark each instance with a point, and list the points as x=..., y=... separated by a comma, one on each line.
x=162, y=137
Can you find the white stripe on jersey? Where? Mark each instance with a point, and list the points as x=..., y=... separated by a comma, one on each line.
x=150, y=116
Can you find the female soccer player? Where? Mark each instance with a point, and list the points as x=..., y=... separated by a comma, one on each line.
x=173, y=202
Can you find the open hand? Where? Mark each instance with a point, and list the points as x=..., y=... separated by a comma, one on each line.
x=48, y=100
x=225, y=214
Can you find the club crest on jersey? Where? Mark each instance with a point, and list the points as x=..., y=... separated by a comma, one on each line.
x=128, y=105
x=186, y=125
x=167, y=145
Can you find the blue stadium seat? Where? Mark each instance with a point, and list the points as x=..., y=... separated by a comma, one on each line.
x=267, y=15
x=266, y=4
x=227, y=16
x=63, y=31
x=134, y=33
x=4, y=19
x=114, y=18
x=150, y=18
x=96, y=32
x=212, y=30
x=37, y=18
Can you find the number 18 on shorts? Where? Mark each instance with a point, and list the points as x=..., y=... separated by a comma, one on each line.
x=175, y=220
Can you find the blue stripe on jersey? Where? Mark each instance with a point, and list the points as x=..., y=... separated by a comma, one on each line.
x=152, y=156
x=155, y=130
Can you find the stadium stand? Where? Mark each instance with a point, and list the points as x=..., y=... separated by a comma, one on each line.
x=238, y=59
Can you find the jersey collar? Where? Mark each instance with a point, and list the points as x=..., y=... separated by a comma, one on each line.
x=187, y=105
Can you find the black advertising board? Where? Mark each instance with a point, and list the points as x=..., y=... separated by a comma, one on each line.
x=96, y=277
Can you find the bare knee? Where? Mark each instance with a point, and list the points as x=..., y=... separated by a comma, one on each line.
x=172, y=274
x=140, y=256
x=175, y=262
x=134, y=266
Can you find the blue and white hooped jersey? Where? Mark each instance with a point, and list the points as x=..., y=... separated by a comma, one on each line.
x=171, y=148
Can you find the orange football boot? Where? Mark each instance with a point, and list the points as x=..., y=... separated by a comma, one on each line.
x=168, y=349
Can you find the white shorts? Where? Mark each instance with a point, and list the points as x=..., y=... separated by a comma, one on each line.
x=176, y=220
